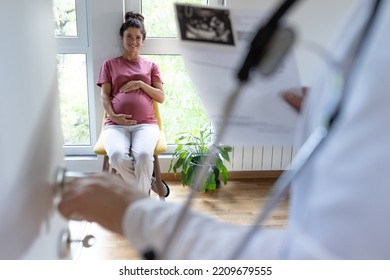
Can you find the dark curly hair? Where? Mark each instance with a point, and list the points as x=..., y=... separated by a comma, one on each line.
x=135, y=20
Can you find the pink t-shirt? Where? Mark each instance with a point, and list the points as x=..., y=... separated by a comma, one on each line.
x=118, y=71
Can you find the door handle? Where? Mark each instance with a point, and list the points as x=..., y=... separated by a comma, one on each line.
x=65, y=242
x=62, y=176
x=65, y=238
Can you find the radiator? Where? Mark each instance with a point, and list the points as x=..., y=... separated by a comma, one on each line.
x=244, y=158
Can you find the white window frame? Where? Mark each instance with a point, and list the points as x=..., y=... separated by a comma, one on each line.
x=80, y=45
x=82, y=29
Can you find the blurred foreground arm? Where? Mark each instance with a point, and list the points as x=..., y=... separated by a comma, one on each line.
x=101, y=198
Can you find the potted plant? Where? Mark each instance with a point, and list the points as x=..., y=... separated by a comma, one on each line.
x=190, y=154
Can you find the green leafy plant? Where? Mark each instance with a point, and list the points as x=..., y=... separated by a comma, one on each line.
x=190, y=154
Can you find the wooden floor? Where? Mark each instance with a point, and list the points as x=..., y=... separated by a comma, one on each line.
x=238, y=202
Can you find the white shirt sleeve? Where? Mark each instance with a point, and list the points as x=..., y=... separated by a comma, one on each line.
x=148, y=224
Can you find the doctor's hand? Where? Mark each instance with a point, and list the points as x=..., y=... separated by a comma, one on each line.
x=101, y=198
x=295, y=98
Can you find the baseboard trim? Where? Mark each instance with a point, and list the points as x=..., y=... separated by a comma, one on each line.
x=266, y=174
x=235, y=175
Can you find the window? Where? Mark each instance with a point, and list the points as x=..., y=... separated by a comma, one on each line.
x=160, y=17
x=72, y=84
x=182, y=109
x=65, y=18
x=72, y=56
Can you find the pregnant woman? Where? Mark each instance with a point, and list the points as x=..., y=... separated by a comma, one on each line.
x=129, y=85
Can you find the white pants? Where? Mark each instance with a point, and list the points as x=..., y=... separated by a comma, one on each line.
x=130, y=151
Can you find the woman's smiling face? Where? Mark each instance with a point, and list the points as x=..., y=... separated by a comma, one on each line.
x=132, y=40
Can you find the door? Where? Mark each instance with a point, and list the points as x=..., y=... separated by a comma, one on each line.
x=31, y=139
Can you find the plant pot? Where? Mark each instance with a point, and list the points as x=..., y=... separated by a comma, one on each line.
x=192, y=148
x=197, y=161
x=217, y=181
x=214, y=170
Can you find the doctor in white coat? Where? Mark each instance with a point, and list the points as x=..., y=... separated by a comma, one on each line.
x=339, y=204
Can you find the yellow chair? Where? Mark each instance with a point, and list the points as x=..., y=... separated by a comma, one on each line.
x=161, y=147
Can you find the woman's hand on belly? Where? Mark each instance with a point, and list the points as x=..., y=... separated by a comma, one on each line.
x=123, y=119
x=129, y=86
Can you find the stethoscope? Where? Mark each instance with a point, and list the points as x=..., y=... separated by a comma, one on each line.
x=267, y=49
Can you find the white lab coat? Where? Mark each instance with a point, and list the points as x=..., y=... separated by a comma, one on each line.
x=339, y=205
